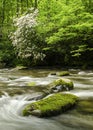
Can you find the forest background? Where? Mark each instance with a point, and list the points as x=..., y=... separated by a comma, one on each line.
x=46, y=33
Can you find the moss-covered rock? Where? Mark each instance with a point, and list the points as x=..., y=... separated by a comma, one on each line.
x=63, y=73
x=31, y=84
x=61, y=84
x=51, y=106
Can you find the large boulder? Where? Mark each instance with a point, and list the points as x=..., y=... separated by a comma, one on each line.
x=51, y=105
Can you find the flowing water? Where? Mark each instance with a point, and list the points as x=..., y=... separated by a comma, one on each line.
x=11, y=106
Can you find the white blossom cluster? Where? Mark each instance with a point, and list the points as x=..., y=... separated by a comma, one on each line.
x=24, y=38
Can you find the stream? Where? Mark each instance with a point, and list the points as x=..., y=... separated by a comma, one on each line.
x=12, y=80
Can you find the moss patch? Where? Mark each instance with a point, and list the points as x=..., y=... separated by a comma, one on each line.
x=53, y=105
x=31, y=84
x=61, y=84
x=63, y=73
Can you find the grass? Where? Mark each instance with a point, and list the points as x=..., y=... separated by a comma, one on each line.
x=53, y=105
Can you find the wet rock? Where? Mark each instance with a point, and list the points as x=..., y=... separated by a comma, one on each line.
x=61, y=73
x=13, y=92
x=57, y=89
x=1, y=93
x=53, y=73
x=36, y=96
x=19, y=68
x=61, y=84
x=36, y=112
x=51, y=105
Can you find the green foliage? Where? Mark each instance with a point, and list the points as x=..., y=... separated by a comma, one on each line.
x=9, y=9
x=62, y=29
x=25, y=39
x=51, y=106
x=7, y=54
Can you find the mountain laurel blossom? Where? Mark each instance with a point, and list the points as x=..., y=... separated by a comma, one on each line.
x=23, y=39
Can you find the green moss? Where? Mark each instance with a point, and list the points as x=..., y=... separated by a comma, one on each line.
x=51, y=106
x=65, y=84
x=63, y=81
x=31, y=84
x=58, y=85
x=63, y=73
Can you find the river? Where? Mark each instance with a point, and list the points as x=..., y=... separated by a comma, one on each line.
x=11, y=106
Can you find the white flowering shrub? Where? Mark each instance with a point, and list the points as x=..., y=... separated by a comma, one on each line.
x=25, y=38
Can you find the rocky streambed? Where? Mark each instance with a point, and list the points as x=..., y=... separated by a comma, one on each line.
x=17, y=89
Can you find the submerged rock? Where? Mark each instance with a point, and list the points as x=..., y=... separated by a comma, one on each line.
x=13, y=92
x=51, y=105
x=61, y=73
x=19, y=68
x=1, y=93
x=85, y=106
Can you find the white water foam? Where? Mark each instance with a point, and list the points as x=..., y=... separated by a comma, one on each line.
x=10, y=118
